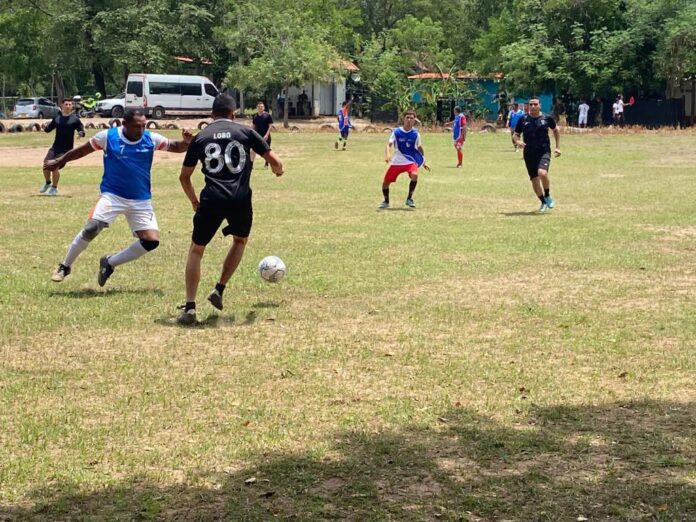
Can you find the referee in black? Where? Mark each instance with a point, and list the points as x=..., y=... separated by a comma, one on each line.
x=535, y=126
x=66, y=125
x=224, y=150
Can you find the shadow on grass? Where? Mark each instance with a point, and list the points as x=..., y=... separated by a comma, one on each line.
x=611, y=462
x=61, y=196
x=518, y=214
x=93, y=292
x=266, y=304
x=212, y=321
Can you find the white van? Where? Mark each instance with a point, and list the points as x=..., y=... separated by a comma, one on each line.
x=170, y=94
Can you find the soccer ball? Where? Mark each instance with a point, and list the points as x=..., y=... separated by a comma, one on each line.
x=272, y=269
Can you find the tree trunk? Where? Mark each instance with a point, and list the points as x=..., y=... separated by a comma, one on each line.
x=59, y=87
x=98, y=71
x=285, y=107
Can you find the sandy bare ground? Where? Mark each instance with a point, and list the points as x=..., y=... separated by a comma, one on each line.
x=28, y=156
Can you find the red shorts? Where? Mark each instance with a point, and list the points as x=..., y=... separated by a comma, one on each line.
x=394, y=170
x=458, y=144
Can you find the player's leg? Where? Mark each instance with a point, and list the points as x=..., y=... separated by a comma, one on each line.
x=206, y=222
x=47, y=173
x=531, y=161
x=459, y=146
x=344, y=136
x=239, y=220
x=543, y=171
x=101, y=216
x=413, y=175
x=143, y=223
x=389, y=177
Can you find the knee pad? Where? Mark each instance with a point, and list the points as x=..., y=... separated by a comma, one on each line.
x=149, y=245
x=92, y=229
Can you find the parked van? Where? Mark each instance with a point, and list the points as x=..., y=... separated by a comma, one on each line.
x=170, y=94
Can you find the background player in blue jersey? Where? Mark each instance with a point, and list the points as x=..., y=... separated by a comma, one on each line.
x=513, y=117
x=408, y=156
x=344, y=124
x=459, y=133
x=125, y=190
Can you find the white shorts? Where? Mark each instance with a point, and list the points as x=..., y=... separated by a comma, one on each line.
x=139, y=213
x=582, y=119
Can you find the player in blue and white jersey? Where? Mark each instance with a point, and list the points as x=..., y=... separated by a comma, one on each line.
x=408, y=157
x=125, y=190
x=344, y=123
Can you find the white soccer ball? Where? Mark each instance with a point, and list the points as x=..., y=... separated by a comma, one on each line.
x=272, y=269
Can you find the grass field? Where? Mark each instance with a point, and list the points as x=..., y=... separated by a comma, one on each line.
x=468, y=360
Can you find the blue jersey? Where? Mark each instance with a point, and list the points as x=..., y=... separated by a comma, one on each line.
x=407, y=144
x=127, y=164
x=515, y=116
x=458, y=127
x=343, y=119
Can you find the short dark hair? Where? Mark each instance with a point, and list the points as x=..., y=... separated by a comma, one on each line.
x=407, y=112
x=260, y=102
x=533, y=98
x=130, y=114
x=457, y=109
x=223, y=105
x=66, y=99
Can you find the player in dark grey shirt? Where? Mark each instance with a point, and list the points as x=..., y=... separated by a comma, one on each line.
x=66, y=124
x=224, y=150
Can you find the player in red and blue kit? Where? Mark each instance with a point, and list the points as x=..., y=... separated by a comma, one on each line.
x=408, y=157
x=125, y=190
x=344, y=124
x=458, y=133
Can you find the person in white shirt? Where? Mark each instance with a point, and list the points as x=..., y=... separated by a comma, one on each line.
x=583, y=111
x=618, y=111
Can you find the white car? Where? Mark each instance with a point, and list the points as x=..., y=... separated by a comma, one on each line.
x=112, y=107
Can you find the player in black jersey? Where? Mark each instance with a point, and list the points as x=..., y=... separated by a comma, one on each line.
x=65, y=124
x=262, y=122
x=224, y=150
x=537, y=149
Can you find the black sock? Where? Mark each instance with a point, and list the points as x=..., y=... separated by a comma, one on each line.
x=385, y=191
x=190, y=305
x=220, y=288
x=411, y=188
x=547, y=192
x=541, y=198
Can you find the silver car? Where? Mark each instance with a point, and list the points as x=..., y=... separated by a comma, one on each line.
x=35, y=108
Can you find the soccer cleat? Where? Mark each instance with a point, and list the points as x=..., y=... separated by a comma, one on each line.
x=542, y=208
x=53, y=191
x=549, y=202
x=383, y=205
x=215, y=299
x=61, y=273
x=344, y=146
x=410, y=203
x=459, y=165
x=336, y=145
x=45, y=187
x=186, y=317
x=105, y=271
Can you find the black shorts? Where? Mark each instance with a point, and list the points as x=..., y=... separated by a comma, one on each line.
x=535, y=161
x=52, y=154
x=210, y=215
x=345, y=132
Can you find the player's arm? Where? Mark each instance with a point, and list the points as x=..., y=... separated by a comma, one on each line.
x=557, y=139
x=50, y=126
x=425, y=164
x=72, y=155
x=181, y=145
x=388, y=151
x=187, y=185
x=516, y=134
x=80, y=128
x=274, y=161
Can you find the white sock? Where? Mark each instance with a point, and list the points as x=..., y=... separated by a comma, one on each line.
x=130, y=253
x=77, y=246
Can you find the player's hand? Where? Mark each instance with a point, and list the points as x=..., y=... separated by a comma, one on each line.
x=426, y=167
x=81, y=134
x=50, y=164
x=278, y=173
x=43, y=126
x=186, y=135
x=521, y=145
x=557, y=152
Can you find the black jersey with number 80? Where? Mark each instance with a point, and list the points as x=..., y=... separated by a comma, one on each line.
x=224, y=150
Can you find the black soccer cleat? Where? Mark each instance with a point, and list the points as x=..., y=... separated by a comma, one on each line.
x=186, y=317
x=105, y=271
x=215, y=299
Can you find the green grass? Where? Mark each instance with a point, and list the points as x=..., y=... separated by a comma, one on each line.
x=467, y=360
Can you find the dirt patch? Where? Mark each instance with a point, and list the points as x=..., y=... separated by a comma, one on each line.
x=34, y=156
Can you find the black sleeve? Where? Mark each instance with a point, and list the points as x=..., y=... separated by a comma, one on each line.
x=253, y=122
x=519, y=126
x=270, y=119
x=51, y=125
x=257, y=143
x=191, y=158
x=79, y=126
x=551, y=122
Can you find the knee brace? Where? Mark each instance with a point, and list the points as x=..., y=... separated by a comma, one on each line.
x=149, y=245
x=92, y=229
